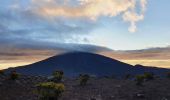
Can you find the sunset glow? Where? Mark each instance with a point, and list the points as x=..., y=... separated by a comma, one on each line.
x=137, y=31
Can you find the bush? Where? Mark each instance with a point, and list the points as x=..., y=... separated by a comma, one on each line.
x=148, y=76
x=58, y=75
x=113, y=76
x=2, y=72
x=139, y=80
x=50, y=90
x=83, y=79
x=14, y=75
x=127, y=76
x=168, y=75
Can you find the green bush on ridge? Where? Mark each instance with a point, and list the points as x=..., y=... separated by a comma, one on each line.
x=127, y=76
x=58, y=76
x=145, y=77
x=50, y=90
x=148, y=76
x=2, y=72
x=168, y=75
x=139, y=80
x=83, y=79
x=14, y=75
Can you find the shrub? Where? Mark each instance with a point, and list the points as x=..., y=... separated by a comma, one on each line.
x=139, y=80
x=2, y=72
x=113, y=76
x=127, y=76
x=83, y=79
x=58, y=75
x=148, y=76
x=50, y=90
x=168, y=75
x=14, y=75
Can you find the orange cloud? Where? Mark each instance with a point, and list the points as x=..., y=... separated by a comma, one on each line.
x=92, y=9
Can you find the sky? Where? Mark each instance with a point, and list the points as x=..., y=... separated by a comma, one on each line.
x=116, y=24
x=35, y=27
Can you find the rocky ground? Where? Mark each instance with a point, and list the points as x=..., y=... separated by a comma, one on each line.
x=96, y=89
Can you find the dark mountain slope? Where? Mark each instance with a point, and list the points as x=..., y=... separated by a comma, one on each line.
x=75, y=63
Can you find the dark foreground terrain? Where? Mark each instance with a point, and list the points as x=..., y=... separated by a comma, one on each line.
x=96, y=89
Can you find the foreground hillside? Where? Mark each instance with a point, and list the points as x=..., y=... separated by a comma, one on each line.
x=96, y=89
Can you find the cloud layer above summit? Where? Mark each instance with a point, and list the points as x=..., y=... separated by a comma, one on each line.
x=96, y=22
x=64, y=21
x=131, y=11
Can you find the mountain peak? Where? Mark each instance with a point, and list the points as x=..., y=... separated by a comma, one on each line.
x=75, y=63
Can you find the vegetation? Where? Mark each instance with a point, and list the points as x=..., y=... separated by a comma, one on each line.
x=2, y=72
x=148, y=76
x=58, y=75
x=14, y=75
x=98, y=88
x=168, y=75
x=139, y=80
x=113, y=76
x=50, y=90
x=83, y=79
x=127, y=76
x=145, y=77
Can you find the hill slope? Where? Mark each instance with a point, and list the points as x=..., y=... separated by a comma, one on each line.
x=75, y=63
x=96, y=89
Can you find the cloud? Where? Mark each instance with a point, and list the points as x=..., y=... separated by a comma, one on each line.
x=22, y=25
x=132, y=17
x=92, y=9
x=30, y=53
x=61, y=20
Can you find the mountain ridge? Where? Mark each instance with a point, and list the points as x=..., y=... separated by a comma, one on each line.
x=75, y=63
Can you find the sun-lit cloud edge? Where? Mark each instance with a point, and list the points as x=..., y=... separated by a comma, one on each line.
x=92, y=9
